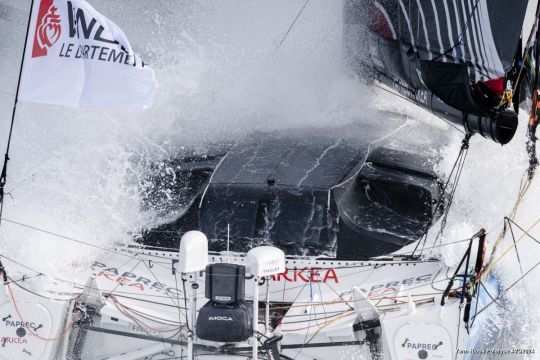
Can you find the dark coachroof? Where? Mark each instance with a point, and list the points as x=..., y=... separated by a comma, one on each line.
x=352, y=192
x=316, y=159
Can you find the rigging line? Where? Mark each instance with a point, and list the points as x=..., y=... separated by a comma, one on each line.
x=117, y=294
x=460, y=163
x=440, y=245
x=524, y=231
x=369, y=268
x=211, y=178
x=527, y=46
x=412, y=102
x=435, y=277
x=322, y=40
x=69, y=238
x=291, y=26
x=186, y=304
x=7, y=93
x=327, y=315
x=147, y=316
x=178, y=297
x=309, y=321
x=340, y=296
x=21, y=264
x=459, y=40
x=424, y=242
x=83, y=286
x=131, y=271
x=324, y=321
x=515, y=246
x=495, y=261
x=145, y=327
x=469, y=326
x=457, y=165
x=3, y=174
x=491, y=296
x=424, y=237
x=125, y=310
x=505, y=291
x=26, y=178
x=523, y=188
x=374, y=298
x=63, y=334
x=330, y=322
x=141, y=326
x=159, y=281
x=23, y=279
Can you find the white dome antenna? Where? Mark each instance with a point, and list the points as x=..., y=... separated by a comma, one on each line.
x=193, y=252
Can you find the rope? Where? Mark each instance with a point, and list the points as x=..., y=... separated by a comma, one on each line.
x=291, y=26
x=124, y=310
x=16, y=282
x=459, y=40
x=322, y=40
x=457, y=169
x=131, y=257
x=61, y=336
x=4, y=273
x=527, y=46
x=526, y=233
x=412, y=102
x=515, y=246
x=309, y=322
x=466, y=26
x=437, y=246
x=493, y=301
x=69, y=238
x=131, y=271
x=495, y=261
x=524, y=186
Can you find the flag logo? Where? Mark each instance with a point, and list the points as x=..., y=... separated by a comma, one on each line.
x=48, y=29
x=78, y=57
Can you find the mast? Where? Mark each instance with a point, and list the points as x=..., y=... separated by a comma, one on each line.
x=535, y=95
x=3, y=174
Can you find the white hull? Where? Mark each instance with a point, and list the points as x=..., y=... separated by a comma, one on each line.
x=142, y=298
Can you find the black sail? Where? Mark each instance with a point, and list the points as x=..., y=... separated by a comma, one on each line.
x=441, y=54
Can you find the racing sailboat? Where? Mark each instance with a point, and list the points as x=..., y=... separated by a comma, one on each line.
x=294, y=245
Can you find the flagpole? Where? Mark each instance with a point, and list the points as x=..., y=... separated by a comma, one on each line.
x=6, y=156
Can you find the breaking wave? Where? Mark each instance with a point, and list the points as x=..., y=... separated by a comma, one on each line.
x=224, y=72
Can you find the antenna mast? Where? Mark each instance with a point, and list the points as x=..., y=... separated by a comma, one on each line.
x=228, y=242
x=3, y=175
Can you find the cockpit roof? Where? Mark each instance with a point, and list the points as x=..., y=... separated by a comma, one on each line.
x=293, y=159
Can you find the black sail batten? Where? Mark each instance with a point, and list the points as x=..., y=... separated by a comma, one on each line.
x=440, y=54
x=480, y=33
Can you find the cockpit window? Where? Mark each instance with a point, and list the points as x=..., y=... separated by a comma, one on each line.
x=238, y=214
x=289, y=224
x=297, y=223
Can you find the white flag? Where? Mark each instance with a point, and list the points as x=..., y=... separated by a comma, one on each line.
x=77, y=57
